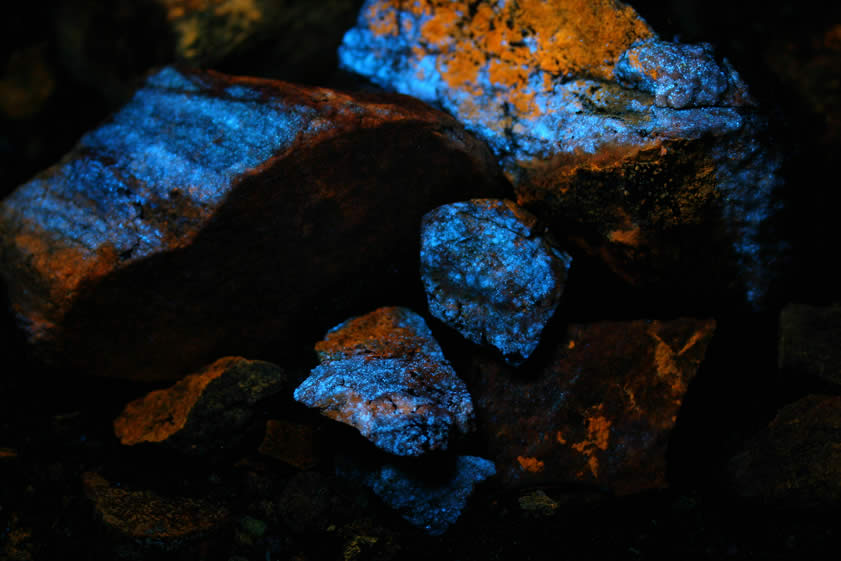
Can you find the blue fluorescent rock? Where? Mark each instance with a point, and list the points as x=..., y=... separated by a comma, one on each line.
x=425, y=502
x=624, y=143
x=489, y=274
x=385, y=375
x=193, y=222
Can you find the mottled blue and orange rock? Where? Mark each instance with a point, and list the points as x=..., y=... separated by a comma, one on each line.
x=385, y=375
x=490, y=274
x=203, y=412
x=632, y=148
x=210, y=214
x=601, y=409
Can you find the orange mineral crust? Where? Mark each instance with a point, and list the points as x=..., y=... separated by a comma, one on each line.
x=599, y=411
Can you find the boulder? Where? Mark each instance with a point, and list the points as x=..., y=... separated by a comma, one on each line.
x=212, y=214
x=385, y=375
x=490, y=274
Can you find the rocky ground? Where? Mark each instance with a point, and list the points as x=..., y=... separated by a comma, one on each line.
x=675, y=387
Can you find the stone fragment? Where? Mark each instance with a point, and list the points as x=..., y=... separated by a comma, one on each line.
x=291, y=443
x=489, y=274
x=634, y=149
x=538, y=502
x=599, y=412
x=204, y=411
x=150, y=521
x=796, y=460
x=211, y=213
x=385, y=375
x=432, y=502
x=810, y=341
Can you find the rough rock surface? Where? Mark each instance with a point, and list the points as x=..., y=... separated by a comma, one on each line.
x=796, y=461
x=291, y=443
x=203, y=411
x=432, y=502
x=150, y=521
x=810, y=341
x=601, y=410
x=385, y=375
x=489, y=274
x=633, y=148
x=163, y=238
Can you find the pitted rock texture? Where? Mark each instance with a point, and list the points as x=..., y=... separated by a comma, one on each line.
x=149, y=523
x=796, y=460
x=810, y=341
x=432, y=501
x=489, y=274
x=385, y=375
x=599, y=412
x=163, y=238
x=202, y=412
x=633, y=148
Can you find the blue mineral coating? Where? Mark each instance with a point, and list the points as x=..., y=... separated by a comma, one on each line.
x=488, y=274
x=694, y=97
x=432, y=506
x=678, y=75
x=175, y=135
x=406, y=404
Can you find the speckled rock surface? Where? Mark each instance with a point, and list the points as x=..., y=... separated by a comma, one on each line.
x=490, y=274
x=147, y=523
x=796, y=461
x=633, y=148
x=601, y=409
x=810, y=341
x=202, y=412
x=385, y=375
x=430, y=501
x=161, y=240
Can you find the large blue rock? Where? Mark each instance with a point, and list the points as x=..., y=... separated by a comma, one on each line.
x=633, y=148
x=432, y=502
x=385, y=375
x=211, y=213
x=490, y=274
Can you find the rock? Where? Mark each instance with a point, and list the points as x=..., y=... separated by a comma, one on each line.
x=203, y=412
x=489, y=274
x=601, y=409
x=539, y=503
x=193, y=223
x=796, y=460
x=632, y=148
x=150, y=522
x=432, y=502
x=385, y=375
x=810, y=341
x=291, y=443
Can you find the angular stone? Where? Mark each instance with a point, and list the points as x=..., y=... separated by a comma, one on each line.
x=600, y=412
x=431, y=502
x=796, y=461
x=291, y=443
x=810, y=341
x=385, y=375
x=204, y=411
x=489, y=274
x=634, y=149
x=211, y=213
x=150, y=521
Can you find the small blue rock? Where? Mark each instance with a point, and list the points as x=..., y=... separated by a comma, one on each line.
x=490, y=275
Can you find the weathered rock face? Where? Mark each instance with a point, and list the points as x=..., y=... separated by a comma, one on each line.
x=212, y=214
x=385, y=375
x=203, y=411
x=797, y=460
x=432, y=502
x=489, y=274
x=150, y=523
x=601, y=410
x=810, y=341
x=635, y=149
